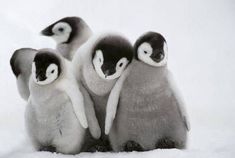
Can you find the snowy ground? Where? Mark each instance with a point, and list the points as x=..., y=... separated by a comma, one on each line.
x=200, y=36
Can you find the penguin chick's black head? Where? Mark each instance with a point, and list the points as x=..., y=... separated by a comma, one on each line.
x=156, y=41
x=72, y=25
x=47, y=67
x=18, y=57
x=111, y=55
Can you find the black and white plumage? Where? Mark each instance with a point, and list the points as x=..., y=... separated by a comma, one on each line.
x=99, y=63
x=55, y=115
x=21, y=64
x=69, y=33
x=150, y=112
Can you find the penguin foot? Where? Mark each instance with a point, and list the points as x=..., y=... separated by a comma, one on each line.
x=103, y=146
x=49, y=148
x=165, y=143
x=132, y=146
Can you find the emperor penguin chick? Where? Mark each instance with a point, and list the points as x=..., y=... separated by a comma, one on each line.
x=69, y=33
x=21, y=65
x=150, y=110
x=99, y=63
x=55, y=115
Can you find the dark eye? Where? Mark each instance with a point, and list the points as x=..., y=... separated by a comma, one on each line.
x=61, y=29
x=99, y=59
x=145, y=52
x=120, y=65
x=52, y=71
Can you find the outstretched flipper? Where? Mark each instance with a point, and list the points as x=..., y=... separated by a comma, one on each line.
x=72, y=89
x=93, y=123
x=113, y=99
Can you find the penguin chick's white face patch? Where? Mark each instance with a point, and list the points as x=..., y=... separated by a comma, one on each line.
x=120, y=67
x=98, y=62
x=51, y=74
x=145, y=51
x=62, y=31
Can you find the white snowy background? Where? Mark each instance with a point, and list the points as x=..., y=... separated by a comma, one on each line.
x=201, y=41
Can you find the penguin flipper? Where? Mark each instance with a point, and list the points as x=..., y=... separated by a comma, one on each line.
x=93, y=123
x=113, y=100
x=72, y=90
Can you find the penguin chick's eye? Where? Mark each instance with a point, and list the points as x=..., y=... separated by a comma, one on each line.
x=145, y=52
x=98, y=57
x=52, y=71
x=122, y=63
x=61, y=29
x=144, y=49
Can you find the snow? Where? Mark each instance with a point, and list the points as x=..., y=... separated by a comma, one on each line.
x=200, y=36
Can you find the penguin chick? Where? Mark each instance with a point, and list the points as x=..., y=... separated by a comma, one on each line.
x=99, y=63
x=69, y=34
x=55, y=114
x=150, y=110
x=21, y=65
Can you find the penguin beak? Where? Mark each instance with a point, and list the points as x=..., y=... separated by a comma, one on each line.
x=108, y=69
x=106, y=73
x=40, y=76
x=47, y=31
x=109, y=72
x=157, y=57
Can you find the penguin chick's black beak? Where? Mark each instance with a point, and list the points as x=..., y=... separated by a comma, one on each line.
x=40, y=76
x=109, y=72
x=47, y=32
x=157, y=57
x=106, y=74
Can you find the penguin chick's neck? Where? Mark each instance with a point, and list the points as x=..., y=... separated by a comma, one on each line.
x=94, y=82
x=146, y=76
x=68, y=49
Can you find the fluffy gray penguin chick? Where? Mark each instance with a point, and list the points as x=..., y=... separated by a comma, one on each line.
x=55, y=115
x=69, y=34
x=150, y=112
x=99, y=63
